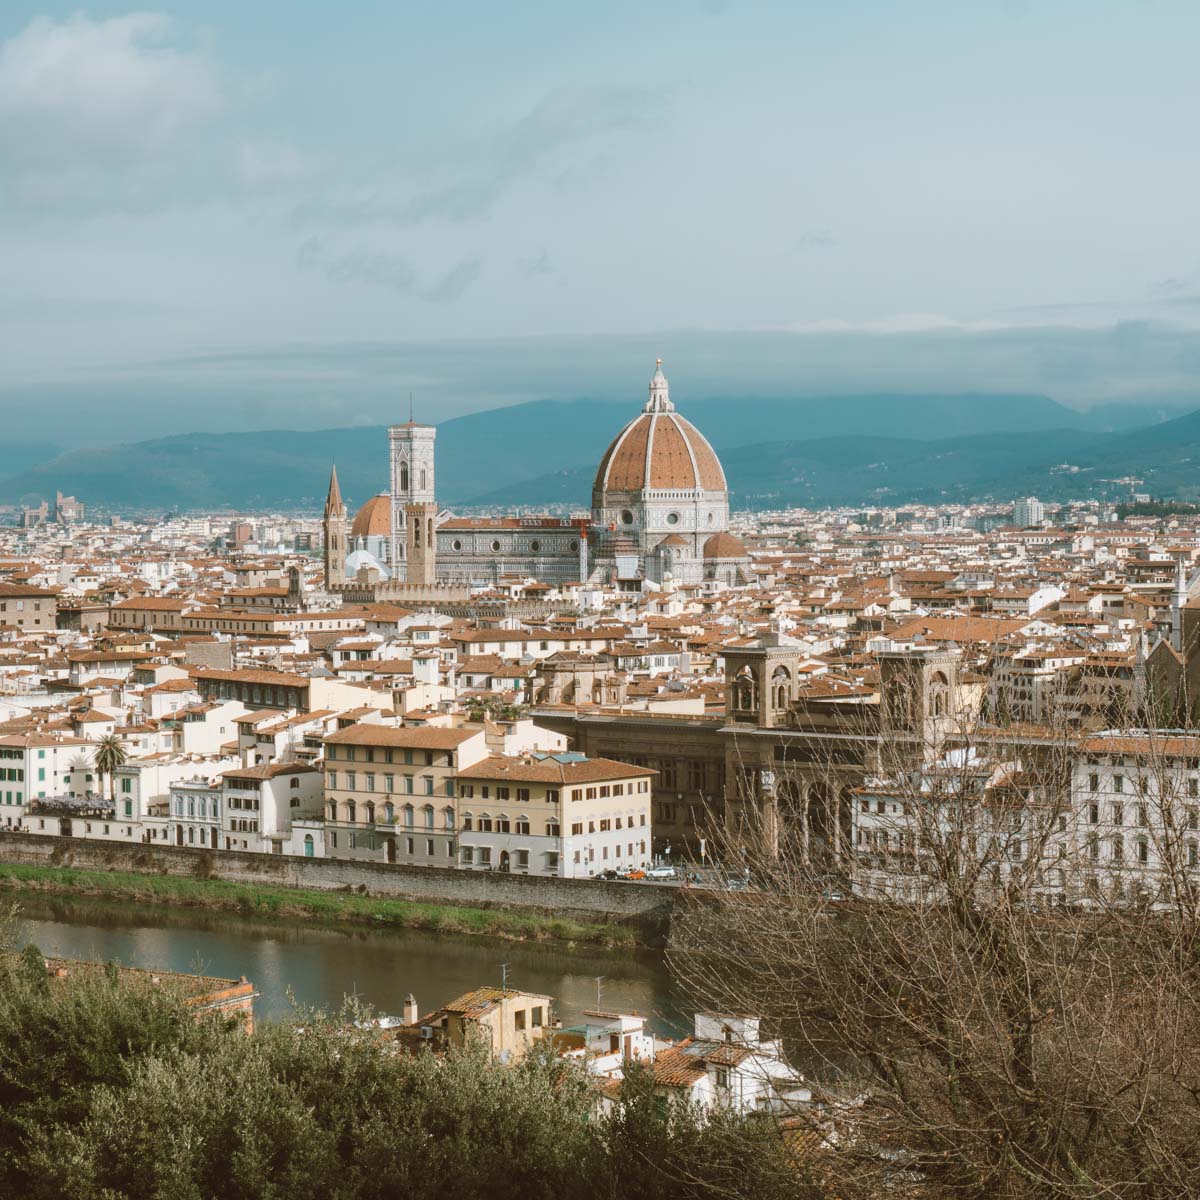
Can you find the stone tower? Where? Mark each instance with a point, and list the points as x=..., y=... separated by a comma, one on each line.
x=412, y=484
x=335, y=535
x=421, y=543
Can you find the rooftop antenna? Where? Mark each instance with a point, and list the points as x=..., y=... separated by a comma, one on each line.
x=504, y=977
x=410, y=408
x=599, y=981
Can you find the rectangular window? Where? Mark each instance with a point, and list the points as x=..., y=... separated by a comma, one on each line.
x=468, y=855
x=522, y=858
x=577, y=829
x=1118, y=783
x=551, y=796
x=519, y=1019
x=370, y=781
x=1093, y=782
x=408, y=845
x=522, y=793
x=408, y=785
x=1118, y=814
x=352, y=780
x=331, y=776
x=389, y=783
x=485, y=855
x=428, y=785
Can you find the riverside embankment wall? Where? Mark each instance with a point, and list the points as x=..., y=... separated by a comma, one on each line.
x=645, y=905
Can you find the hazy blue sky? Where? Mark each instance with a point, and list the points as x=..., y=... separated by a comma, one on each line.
x=275, y=208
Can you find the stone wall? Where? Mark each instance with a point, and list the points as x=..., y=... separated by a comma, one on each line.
x=646, y=905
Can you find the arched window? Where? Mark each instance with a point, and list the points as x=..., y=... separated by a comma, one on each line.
x=389, y=813
x=370, y=812
x=351, y=812
x=939, y=694
x=404, y=477
x=781, y=682
x=745, y=691
x=422, y=479
x=427, y=813
x=333, y=810
x=448, y=817
x=408, y=815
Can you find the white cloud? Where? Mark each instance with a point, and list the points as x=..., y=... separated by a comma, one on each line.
x=80, y=93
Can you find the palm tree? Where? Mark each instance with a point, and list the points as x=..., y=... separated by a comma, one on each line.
x=109, y=755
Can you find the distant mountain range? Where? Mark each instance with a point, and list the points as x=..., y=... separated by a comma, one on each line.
x=837, y=450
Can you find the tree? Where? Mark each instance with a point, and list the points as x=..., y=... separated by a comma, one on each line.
x=110, y=754
x=112, y=1087
x=1012, y=989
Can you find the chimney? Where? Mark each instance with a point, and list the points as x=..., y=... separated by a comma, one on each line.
x=409, y=1013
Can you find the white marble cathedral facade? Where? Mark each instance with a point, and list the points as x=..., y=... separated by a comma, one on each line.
x=660, y=512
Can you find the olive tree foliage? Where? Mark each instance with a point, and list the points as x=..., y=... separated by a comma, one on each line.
x=114, y=1088
x=1002, y=974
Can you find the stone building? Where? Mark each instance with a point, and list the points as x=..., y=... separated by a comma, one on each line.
x=660, y=511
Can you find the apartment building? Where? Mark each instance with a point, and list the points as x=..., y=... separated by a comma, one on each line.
x=26, y=607
x=258, y=804
x=554, y=814
x=390, y=792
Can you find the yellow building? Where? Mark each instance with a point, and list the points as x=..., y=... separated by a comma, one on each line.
x=507, y=1021
x=389, y=793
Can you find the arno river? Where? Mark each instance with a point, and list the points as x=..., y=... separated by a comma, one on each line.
x=319, y=965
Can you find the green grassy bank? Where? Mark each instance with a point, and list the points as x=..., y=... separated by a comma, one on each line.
x=327, y=907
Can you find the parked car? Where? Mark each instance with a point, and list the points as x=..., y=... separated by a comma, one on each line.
x=636, y=873
x=663, y=872
x=609, y=873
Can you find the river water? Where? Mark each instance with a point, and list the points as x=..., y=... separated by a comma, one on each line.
x=319, y=965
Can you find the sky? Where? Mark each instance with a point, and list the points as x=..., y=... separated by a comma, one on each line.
x=224, y=215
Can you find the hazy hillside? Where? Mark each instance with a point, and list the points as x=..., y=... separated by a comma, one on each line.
x=1053, y=464
x=775, y=450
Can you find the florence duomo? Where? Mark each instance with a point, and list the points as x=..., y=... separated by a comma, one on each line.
x=660, y=513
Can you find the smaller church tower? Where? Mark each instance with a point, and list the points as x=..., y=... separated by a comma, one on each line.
x=421, y=542
x=335, y=535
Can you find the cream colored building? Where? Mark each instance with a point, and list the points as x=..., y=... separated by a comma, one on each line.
x=390, y=792
x=553, y=814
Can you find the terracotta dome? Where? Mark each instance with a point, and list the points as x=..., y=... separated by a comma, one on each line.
x=724, y=545
x=374, y=519
x=659, y=451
